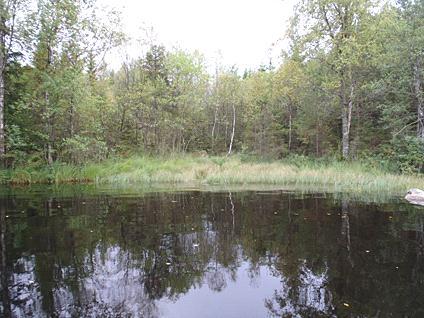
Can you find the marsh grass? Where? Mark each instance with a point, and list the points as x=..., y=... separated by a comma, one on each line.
x=183, y=170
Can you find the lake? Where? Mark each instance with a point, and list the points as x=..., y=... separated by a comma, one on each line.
x=86, y=252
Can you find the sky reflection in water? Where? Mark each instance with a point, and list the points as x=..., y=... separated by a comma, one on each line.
x=199, y=254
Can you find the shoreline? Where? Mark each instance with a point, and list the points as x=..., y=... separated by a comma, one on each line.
x=217, y=171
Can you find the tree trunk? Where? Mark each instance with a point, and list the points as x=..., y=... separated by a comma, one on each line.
x=156, y=122
x=234, y=129
x=48, y=129
x=72, y=120
x=290, y=126
x=49, y=125
x=317, y=140
x=226, y=129
x=121, y=126
x=419, y=97
x=2, y=133
x=347, y=105
x=3, y=56
x=213, y=129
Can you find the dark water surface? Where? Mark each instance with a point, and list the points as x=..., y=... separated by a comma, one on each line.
x=209, y=254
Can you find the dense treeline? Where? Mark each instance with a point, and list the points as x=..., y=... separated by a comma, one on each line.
x=350, y=85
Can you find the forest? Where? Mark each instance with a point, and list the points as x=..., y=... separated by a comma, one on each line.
x=348, y=86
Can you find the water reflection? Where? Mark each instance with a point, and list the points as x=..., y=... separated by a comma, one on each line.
x=24, y=290
x=209, y=254
x=310, y=297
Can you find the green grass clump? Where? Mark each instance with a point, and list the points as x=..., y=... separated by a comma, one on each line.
x=184, y=170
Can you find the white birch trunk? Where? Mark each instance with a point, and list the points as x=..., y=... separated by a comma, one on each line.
x=213, y=127
x=290, y=126
x=233, y=131
x=347, y=106
x=3, y=56
x=419, y=96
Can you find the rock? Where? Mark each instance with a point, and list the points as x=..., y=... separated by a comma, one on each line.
x=415, y=196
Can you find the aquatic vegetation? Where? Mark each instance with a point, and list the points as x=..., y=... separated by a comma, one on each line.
x=190, y=170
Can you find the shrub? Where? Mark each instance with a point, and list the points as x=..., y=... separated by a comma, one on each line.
x=80, y=149
x=408, y=153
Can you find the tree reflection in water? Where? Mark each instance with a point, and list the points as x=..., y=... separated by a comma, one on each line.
x=302, y=256
x=310, y=298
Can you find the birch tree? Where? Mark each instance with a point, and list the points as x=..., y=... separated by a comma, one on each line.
x=334, y=36
x=413, y=39
x=8, y=40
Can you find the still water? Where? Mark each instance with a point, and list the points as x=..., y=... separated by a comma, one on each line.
x=209, y=254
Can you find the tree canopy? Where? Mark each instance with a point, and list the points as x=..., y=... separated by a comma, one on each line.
x=350, y=84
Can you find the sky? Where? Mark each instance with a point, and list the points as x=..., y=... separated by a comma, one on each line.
x=244, y=33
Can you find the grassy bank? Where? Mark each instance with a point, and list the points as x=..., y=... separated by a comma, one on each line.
x=189, y=170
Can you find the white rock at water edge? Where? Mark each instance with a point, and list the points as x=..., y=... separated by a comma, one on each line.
x=415, y=196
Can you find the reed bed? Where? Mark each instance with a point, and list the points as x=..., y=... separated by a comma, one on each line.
x=181, y=170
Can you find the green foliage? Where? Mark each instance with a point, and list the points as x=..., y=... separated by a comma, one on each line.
x=80, y=149
x=408, y=154
x=63, y=106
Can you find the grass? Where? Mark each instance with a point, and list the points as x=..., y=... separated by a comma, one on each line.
x=198, y=171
